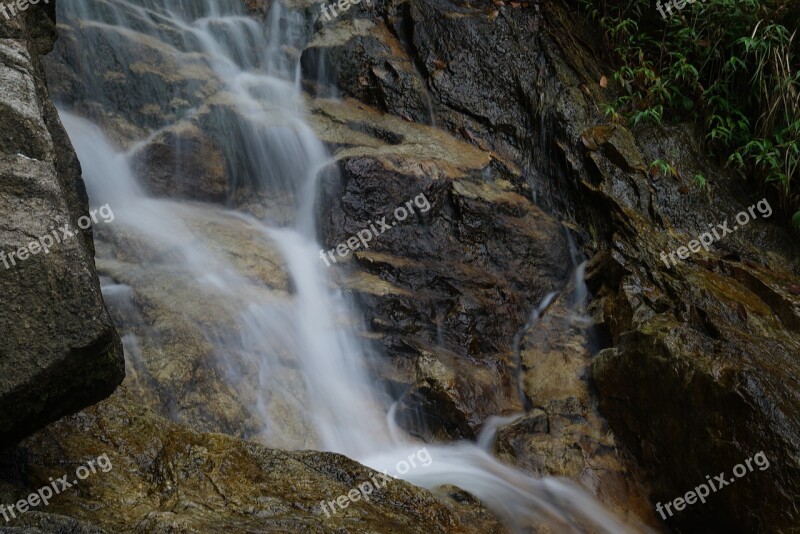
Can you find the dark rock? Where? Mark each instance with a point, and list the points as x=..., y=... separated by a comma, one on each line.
x=368, y=62
x=60, y=351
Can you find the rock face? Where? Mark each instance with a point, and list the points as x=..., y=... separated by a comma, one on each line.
x=167, y=324
x=60, y=351
x=451, y=291
x=702, y=370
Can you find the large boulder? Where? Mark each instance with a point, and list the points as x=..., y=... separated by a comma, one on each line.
x=60, y=351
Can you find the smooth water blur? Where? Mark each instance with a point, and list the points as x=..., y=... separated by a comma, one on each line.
x=345, y=408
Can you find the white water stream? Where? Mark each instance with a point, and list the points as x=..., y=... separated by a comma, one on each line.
x=279, y=152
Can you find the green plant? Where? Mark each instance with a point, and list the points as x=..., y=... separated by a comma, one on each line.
x=701, y=182
x=660, y=166
x=729, y=65
x=611, y=112
x=653, y=114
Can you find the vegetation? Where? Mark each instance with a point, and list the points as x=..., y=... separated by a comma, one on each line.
x=733, y=66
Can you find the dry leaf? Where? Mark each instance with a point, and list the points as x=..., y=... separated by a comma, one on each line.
x=741, y=312
x=439, y=64
x=603, y=82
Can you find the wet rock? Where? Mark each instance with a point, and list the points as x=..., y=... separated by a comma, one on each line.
x=161, y=476
x=515, y=89
x=60, y=351
x=700, y=374
x=258, y=8
x=76, y=76
x=449, y=292
x=468, y=241
x=712, y=362
x=170, y=328
x=539, y=113
x=449, y=399
x=368, y=63
x=563, y=433
x=183, y=162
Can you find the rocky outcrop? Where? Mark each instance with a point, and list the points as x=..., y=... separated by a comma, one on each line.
x=158, y=476
x=451, y=291
x=699, y=378
x=60, y=351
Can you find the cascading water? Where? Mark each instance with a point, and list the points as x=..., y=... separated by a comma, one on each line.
x=277, y=152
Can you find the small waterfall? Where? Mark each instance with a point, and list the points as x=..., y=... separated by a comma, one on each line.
x=579, y=297
x=274, y=150
x=517, y=345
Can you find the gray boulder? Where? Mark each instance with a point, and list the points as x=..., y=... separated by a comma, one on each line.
x=59, y=351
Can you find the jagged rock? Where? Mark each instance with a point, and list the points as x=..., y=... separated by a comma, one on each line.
x=515, y=88
x=98, y=83
x=450, y=292
x=368, y=63
x=60, y=352
x=730, y=308
x=707, y=389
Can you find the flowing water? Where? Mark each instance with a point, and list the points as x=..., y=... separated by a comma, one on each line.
x=274, y=151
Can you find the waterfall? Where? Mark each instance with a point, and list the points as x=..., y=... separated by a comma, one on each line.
x=274, y=150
